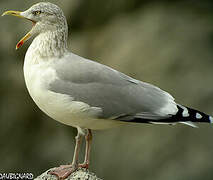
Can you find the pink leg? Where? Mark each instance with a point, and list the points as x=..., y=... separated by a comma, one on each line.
x=88, y=139
x=64, y=171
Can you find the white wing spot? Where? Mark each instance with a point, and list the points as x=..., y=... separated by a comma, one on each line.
x=211, y=119
x=185, y=112
x=198, y=116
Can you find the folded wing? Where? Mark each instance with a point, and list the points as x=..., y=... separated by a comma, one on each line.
x=117, y=94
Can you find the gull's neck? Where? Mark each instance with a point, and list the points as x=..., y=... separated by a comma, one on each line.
x=49, y=44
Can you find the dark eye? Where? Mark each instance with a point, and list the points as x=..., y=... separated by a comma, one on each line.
x=35, y=13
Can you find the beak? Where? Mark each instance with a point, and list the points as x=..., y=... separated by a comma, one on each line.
x=13, y=13
x=28, y=35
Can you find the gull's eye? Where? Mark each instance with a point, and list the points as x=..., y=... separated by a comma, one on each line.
x=35, y=13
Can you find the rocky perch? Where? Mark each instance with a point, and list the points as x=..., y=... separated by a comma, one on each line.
x=80, y=174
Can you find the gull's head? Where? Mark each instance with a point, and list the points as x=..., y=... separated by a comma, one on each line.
x=45, y=17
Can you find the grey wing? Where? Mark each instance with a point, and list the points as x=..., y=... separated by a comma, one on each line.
x=117, y=94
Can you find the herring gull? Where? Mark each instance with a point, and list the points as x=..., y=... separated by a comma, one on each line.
x=85, y=94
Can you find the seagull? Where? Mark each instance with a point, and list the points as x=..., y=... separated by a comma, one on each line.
x=85, y=94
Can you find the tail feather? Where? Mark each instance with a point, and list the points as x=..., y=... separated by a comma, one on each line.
x=189, y=124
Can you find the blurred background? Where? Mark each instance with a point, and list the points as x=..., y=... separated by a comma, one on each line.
x=166, y=43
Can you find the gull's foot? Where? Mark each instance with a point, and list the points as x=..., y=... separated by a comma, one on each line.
x=63, y=171
x=84, y=165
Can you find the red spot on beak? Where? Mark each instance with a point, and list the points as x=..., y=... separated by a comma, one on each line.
x=25, y=38
x=19, y=44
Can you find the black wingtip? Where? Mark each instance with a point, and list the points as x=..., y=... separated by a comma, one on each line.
x=184, y=115
x=188, y=114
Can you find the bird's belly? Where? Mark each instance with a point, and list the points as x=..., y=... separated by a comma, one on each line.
x=62, y=107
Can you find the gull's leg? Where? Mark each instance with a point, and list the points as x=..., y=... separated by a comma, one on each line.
x=65, y=170
x=88, y=139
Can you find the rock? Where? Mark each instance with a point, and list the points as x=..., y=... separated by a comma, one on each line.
x=80, y=174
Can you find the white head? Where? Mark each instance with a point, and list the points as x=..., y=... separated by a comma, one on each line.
x=45, y=17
